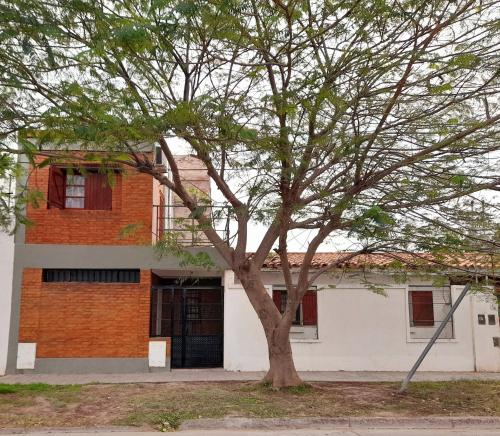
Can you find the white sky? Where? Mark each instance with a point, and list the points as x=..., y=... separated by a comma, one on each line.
x=298, y=239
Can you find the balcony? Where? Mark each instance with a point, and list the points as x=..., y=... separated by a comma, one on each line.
x=181, y=226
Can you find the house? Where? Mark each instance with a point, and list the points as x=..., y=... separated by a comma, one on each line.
x=90, y=294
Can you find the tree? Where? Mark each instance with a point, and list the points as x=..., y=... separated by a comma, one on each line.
x=372, y=119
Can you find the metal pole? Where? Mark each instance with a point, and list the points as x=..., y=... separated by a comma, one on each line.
x=436, y=335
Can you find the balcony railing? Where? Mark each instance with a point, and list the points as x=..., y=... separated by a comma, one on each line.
x=183, y=226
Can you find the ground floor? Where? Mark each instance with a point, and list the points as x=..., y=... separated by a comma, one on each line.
x=105, y=311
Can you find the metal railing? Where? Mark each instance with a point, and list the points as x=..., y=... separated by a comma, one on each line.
x=180, y=224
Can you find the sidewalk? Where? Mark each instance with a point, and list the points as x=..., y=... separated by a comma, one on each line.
x=312, y=432
x=197, y=375
x=348, y=426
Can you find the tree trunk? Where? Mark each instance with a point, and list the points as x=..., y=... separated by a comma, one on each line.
x=282, y=372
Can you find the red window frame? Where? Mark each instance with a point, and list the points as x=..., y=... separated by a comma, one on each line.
x=307, y=312
x=97, y=191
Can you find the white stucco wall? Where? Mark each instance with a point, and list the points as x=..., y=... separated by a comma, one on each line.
x=6, y=271
x=487, y=355
x=357, y=331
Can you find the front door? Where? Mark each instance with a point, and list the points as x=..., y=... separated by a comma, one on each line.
x=193, y=318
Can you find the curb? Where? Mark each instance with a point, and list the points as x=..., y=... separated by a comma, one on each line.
x=437, y=422
x=89, y=430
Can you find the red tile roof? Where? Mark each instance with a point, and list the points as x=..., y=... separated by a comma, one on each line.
x=386, y=260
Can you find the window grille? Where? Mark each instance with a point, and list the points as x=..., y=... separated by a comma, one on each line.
x=428, y=307
x=92, y=275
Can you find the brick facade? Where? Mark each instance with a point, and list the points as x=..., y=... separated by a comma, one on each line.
x=85, y=319
x=132, y=201
x=80, y=319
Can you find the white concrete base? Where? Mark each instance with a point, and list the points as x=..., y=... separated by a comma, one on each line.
x=26, y=355
x=6, y=273
x=157, y=354
x=487, y=354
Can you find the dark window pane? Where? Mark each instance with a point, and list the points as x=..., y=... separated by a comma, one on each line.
x=91, y=275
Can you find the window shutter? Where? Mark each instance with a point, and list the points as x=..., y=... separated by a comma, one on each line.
x=422, y=308
x=57, y=182
x=277, y=299
x=98, y=193
x=161, y=216
x=310, y=308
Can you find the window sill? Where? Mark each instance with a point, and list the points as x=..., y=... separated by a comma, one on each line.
x=419, y=341
x=305, y=341
x=77, y=210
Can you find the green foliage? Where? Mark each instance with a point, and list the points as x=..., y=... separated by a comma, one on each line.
x=364, y=114
x=130, y=229
x=440, y=89
x=36, y=388
x=171, y=243
x=466, y=60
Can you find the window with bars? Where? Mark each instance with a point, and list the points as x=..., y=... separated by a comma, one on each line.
x=77, y=190
x=91, y=275
x=428, y=307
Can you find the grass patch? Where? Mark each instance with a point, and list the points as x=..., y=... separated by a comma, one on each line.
x=172, y=420
x=37, y=388
x=300, y=389
x=165, y=406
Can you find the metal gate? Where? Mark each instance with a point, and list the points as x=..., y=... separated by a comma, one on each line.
x=193, y=317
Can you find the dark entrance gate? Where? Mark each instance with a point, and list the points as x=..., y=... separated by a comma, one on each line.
x=193, y=317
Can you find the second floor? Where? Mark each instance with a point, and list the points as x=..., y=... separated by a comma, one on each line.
x=83, y=205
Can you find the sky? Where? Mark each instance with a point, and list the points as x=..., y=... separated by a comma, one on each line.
x=298, y=240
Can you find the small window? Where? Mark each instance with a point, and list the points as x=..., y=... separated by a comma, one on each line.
x=92, y=275
x=428, y=308
x=305, y=322
x=78, y=191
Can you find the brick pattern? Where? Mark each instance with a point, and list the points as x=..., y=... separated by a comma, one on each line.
x=85, y=319
x=132, y=205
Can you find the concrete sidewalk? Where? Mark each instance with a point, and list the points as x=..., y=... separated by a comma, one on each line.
x=347, y=426
x=197, y=375
x=311, y=432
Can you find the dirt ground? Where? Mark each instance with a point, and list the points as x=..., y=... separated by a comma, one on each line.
x=164, y=406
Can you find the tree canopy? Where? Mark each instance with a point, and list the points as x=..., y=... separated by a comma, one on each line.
x=373, y=119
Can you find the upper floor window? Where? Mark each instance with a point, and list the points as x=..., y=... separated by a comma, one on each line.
x=78, y=191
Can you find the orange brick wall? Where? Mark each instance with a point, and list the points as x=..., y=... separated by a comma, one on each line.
x=85, y=319
x=132, y=205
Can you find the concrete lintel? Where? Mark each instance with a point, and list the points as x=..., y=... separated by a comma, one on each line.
x=104, y=256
